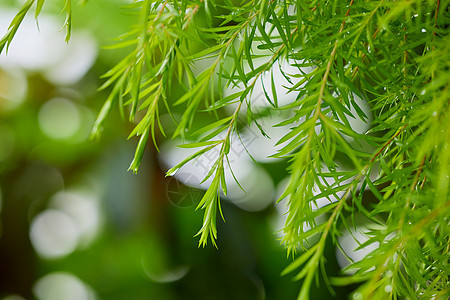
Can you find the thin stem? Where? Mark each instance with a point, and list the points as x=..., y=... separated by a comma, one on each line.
x=436, y=16
x=416, y=177
x=374, y=35
x=389, y=142
x=328, y=69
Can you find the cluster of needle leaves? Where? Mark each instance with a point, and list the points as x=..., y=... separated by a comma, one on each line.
x=394, y=55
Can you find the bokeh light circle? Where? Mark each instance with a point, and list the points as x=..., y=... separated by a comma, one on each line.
x=62, y=286
x=59, y=118
x=53, y=234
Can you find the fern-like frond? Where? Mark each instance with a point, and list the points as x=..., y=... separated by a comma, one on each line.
x=383, y=64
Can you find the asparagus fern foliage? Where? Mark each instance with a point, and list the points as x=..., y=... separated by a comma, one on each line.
x=395, y=55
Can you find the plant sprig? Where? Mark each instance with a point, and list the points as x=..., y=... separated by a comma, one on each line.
x=392, y=56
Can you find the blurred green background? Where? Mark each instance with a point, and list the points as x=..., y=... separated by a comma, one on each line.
x=75, y=224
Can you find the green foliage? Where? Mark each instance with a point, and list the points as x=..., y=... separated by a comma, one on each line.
x=12, y=29
x=395, y=55
x=15, y=23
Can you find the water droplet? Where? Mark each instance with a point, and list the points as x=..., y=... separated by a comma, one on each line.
x=423, y=92
x=424, y=30
x=434, y=113
x=389, y=274
x=415, y=16
x=388, y=288
x=357, y=296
